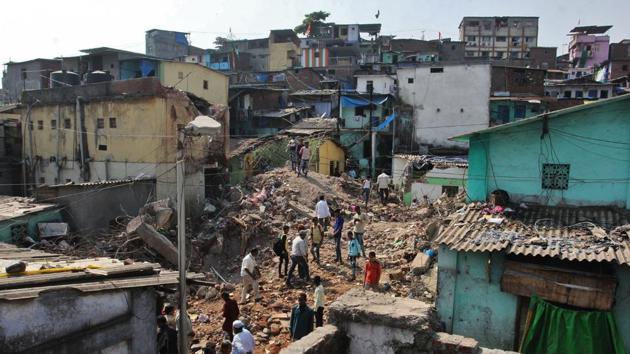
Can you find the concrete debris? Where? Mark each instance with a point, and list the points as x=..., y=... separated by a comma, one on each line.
x=158, y=242
x=420, y=263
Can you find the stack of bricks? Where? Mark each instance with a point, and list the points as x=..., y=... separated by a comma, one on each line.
x=444, y=343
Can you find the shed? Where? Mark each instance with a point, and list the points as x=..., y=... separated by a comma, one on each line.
x=19, y=217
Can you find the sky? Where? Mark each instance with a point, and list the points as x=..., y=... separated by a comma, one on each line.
x=46, y=29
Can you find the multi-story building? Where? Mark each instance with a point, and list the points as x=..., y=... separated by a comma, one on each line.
x=171, y=45
x=619, y=59
x=588, y=46
x=27, y=75
x=499, y=37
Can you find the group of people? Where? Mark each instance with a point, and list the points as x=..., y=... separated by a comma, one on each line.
x=300, y=156
x=382, y=182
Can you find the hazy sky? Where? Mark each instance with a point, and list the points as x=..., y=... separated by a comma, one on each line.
x=47, y=28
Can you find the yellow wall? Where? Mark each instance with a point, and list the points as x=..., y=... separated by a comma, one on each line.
x=329, y=151
x=218, y=83
x=278, y=60
x=145, y=131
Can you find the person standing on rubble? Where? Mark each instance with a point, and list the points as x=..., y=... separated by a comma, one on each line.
x=322, y=212
x=373, y=272
x=353, y=253
x=337, y=234
x=301, y=319
x=292, y=150
x=365, y=190
x=383, y=187
x=243, y=342
x=317, y=236
x=305, y=155
x=359, y=227
x=230, y=313
x=320, y=300
x=167, y=337
x=299, y=257
x=250, y=275
x=282, y=250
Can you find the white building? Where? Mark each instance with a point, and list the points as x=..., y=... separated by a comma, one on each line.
x=383, y=83
x=447, y=101
x=425, y=177
x=499, y=37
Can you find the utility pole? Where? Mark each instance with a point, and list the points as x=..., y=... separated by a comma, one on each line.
x=338, y=107
x=370, y=88
x=181, y=259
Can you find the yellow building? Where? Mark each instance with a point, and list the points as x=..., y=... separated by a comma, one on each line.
x=199, y=80
x=113, y=130
x=331, y=158
x=284, y=49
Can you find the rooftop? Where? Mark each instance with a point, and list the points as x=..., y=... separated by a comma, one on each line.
x=308, y=126
x=420, y=161
x=49, y=272
x=590, y=29
x=592, y=234
x=324, y=92
x=13, y=207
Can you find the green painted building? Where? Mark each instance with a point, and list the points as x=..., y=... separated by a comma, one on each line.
x=19, y=218
x=510, y=109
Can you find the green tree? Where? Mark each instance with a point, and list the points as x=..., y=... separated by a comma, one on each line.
x=220, y=41
x=313, y=19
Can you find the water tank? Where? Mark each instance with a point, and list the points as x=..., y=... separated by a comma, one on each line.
x=63, y=78
x=97, y=76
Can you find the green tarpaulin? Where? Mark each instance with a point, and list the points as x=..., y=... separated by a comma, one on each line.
x=553, y=329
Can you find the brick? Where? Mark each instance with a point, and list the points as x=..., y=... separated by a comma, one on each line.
x=468, y=346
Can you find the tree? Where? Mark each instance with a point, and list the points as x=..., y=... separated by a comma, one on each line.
x=313, y=19
x=220, y=41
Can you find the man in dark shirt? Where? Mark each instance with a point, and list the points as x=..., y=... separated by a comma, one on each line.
x=230, y=313
x=337, y=230
x=167, y=337
x=302, y=318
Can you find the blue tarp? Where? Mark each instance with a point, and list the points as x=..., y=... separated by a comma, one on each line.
x=386, y=122
x=351, y=102
x=181, y=38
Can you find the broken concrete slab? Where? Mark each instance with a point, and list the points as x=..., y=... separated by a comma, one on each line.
x=327, y=339
x=52, y=229
x=158, y=242
x=420, y=263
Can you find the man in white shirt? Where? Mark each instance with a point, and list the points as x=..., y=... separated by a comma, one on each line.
x=299, y=256
x=320, y=299
x=250, y=275
x=243, y=342
x=322, y=212
x=305, y=152
x=383, y=186
x=365, y=189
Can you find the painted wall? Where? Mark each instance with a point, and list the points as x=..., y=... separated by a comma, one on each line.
x=279, y=55
x=27, y=323
x=383, y=84
x=622, y=305
x=353, y=121
x=496, y=112
x=470, y=301
x=512, y=159
x=596, y=46
x=329, y=152
x=31, y=221
x=593, y=91
x=447, y=103
x=217, y=91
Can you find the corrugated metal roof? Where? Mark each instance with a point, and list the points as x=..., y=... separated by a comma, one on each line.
x=13, y=207
x=104, y=183
x=437, y=161
x=581, y=233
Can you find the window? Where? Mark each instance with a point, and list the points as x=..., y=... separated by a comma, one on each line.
x=470, y=53
x=180, y=75
x=102, y=147
x=624, y=67
x=53, y=124
x=471, y=38
x=23, y=73
x=487, y=25
x=316, y=54
x=100, y=123
x=205, y=84
x=486, y=39
x=579, y=94
x=603, y=94
x=516, y=39
x=112, y=122
x=485, y=54
x=343, y=31
x=42, y=180
x=503, y=113
x=40, y=124
x=473, y=23
x=369, y=83
x=410, y=80
x=500, y=39
x=437, y=70
x=499, y=54
x=359, y=111
x=67, y=124
x=592, y=93
x=529, y=39
x=555, y=176
x=519, y=111
x=567, y=94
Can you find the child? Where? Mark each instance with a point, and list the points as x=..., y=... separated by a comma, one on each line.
x=372, y=273
x=353, y=253
x=317, y=236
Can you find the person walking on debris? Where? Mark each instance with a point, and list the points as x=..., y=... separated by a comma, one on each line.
x=359, y=227
x=383, y=187
x=320, y=299
x=281, y=249
x=230, y=313
x=353, y=253
x=166, y=338
x=317, y=236
x=373, y=272
x=365, y=190
x=292, y=150
x=243, y=342
x=302, y=316
x=322, y=212
x=299, y=256
x=337, y=233
x=305, y=154
x=250, y=275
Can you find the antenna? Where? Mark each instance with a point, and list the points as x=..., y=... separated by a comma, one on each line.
x=422, y=35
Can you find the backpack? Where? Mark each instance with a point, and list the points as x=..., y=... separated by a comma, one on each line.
x=278, y=246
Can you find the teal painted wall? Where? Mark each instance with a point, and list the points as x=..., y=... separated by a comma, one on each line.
x=31, y=220
x=348, y=138
x=512, y=159
x=347, y=114
x=531, y=109
x=622, y=305
x=470, y=300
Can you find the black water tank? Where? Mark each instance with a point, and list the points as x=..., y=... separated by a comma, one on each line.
x=63, y=78
x=97, y=76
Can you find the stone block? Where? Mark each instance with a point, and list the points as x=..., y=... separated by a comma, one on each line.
x=420, y=263
x=326, y=339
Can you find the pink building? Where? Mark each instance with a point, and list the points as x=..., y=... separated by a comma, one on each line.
x=588, y=46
